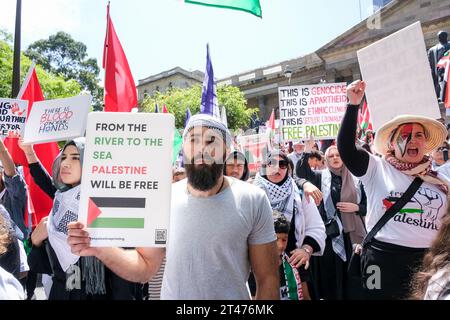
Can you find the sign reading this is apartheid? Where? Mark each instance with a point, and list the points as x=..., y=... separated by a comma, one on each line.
x=126, y=180
x=255, y=148
x=57, y=120
x=313, y=110
x=13, y=114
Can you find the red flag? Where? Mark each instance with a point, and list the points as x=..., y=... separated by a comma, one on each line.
x=165, y=109
x=46, y=153
x=271, y=122
x=120, y=89
x=444, y=63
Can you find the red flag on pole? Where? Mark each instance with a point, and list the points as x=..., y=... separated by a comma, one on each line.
x=271, y=122
x=165, y=109
x=120, y=89
x=46, y=152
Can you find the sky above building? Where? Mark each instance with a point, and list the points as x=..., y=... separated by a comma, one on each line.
x=158, y=35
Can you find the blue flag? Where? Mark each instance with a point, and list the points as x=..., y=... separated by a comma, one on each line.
x=209, y=97
x=188, y=116
x=156, y=107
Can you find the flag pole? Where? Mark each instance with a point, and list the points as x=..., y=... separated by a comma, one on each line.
x=16, y=62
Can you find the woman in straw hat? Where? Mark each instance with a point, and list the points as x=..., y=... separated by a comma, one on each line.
x=396, y=251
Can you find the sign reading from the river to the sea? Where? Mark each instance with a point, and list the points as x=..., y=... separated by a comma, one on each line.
x=126, y=180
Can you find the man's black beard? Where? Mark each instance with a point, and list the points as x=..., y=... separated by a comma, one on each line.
x=203, y=177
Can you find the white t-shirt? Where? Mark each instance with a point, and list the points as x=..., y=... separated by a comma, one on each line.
x=10, y=287
x=417, y=224
x=207, y=252
x=444, y=170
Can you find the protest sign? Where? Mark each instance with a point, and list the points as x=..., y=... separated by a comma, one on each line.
x=255, y=148
x=398, y=77
x=57, y=120
x=127, y=177
x=13, y=114
x=313, y=110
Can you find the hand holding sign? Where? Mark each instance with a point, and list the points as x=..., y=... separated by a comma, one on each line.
x=79, y=240
x=355, y=92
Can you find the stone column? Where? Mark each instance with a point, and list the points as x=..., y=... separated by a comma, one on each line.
x=356, y=72
x=262, y=107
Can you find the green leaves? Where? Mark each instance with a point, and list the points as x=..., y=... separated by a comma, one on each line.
x=52, y=85
x=178, y=100
x=62, y=55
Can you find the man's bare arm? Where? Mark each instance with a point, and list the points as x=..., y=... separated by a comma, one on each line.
x=264, y=262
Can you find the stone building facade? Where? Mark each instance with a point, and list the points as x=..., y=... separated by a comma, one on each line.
x=173, y=78
x=336, y=61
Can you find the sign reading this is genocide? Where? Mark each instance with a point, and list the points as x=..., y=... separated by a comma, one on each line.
x=313, y=110
x=126, y=180
x=57, y=120
x=13, y=114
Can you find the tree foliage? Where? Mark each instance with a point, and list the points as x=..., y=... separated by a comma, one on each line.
x=53, y=86
x=62, y=55
x=178, y=100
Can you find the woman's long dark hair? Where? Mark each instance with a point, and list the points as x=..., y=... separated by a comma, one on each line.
x=437, y=258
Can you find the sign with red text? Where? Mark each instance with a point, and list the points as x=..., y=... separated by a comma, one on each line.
x=57, y=120
x=127, y=178
x=13, y=114
x=313, y=110
x=255, y=147
x=398, y=77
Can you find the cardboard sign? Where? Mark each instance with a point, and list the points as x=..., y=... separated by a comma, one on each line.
x=398, y=77
x=127, y=178
x=314, y=110
x=255, y=148
x=57, y=120
x=13, y=114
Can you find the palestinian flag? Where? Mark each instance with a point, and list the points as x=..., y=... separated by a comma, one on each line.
x=364, y=118
x=97, y=205
x=390, y=201
x=270, y=124
x=293, y=281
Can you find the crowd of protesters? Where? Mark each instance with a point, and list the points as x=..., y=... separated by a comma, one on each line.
x=291, y=230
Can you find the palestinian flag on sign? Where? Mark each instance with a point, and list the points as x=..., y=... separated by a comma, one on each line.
x=99, y=205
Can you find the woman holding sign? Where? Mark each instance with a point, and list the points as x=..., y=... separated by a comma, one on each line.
x=403, y=216
x=74, y=278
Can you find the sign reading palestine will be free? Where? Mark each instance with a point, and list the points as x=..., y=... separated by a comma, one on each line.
x=313, y=110
x=126, y=180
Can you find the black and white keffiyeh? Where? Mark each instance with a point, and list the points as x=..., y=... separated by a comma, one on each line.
x=65, y=210
x=281, y=197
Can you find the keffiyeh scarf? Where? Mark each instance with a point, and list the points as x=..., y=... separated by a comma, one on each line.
x=65, y=210
x=422, y=169
x=281, y=197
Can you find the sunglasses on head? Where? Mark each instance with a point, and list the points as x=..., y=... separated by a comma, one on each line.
x=283, y=164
